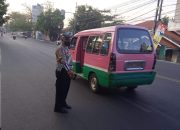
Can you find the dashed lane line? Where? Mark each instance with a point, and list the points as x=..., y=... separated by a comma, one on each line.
x=168, y=78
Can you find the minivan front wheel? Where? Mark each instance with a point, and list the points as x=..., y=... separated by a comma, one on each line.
x=93, y=83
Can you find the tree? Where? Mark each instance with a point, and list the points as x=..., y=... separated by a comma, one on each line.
x=113, y=21
x=86, y=17
x=165, y=20
x=50, y=22
x=19, y=22
x=3, y=10
x=48, y=6
x=28, y=11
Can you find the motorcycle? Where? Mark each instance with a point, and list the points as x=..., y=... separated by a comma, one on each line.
x=25, y=37
x=14, y=37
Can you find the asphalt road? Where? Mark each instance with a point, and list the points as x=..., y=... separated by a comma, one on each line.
x=27, y=95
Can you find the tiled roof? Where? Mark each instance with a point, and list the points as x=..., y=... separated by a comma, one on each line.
x=148, y=24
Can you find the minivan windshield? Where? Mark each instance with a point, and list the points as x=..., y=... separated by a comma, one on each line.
x=130, y=40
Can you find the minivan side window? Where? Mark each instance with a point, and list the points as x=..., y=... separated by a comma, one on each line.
x=105, y=44
x=73, y=43
x=90, y=44
x=97, y=45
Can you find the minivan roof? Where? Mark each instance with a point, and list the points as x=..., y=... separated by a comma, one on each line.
x=107, y=29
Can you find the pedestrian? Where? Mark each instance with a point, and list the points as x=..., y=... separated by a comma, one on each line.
x=58, y=42
x=63, y=74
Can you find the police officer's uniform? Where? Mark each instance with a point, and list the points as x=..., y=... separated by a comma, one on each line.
x=62, y=78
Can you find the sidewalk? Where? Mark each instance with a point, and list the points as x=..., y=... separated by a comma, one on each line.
x=168, y=61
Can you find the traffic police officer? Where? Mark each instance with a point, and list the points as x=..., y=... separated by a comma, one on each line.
x=63, y=74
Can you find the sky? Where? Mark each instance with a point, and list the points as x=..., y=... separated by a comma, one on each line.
x=128, y=9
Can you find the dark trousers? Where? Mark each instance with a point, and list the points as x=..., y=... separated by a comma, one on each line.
x=62, y=88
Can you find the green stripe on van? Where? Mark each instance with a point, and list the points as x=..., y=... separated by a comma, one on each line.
x=103, y=77
x=77, y=67
x=132, y=79
x=112, y=80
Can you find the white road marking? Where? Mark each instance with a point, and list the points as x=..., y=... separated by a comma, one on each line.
x=168, y=78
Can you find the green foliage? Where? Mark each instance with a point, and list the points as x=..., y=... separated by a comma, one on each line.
x=165, y=20
x=19, y=22
x=112, y=21
x=3, y=10
x=87, y=17
x=50, y=22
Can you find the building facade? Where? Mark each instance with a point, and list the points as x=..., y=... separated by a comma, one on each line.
x=169, y=47
x=177, y=12
x=36, y=11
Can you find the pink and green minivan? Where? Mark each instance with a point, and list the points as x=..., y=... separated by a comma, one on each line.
x=116, y=56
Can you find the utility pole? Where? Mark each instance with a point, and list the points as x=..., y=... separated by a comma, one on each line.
x=160, y=10
x=75, y=20
x=156, y=16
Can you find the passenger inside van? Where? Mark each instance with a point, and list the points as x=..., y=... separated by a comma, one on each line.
x=105, y=47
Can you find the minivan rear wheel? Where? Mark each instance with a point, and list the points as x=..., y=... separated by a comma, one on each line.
x=93, y=83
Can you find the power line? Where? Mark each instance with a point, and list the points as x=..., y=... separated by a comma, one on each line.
x=178, y=10
x=125, y=3
x=165, y=13
x=132, y=9
x=101, y=20
x=141, y=19
x=91, y=19
x=140, y=9
x=141, y=15
x=131, y=6
x=169, y=5
x=148, y=6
